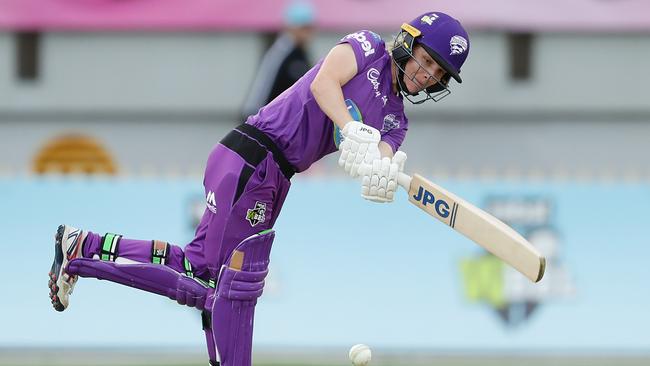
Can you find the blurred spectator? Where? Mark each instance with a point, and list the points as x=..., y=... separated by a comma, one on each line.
x=285, y=61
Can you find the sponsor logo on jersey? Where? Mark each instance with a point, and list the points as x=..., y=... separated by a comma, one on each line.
x=374, y=35
x=256, y=214
x=429, y=19
x=373, y=77
x=390, y=123
x=458, y=45
x=365, y=44
x=211, y=202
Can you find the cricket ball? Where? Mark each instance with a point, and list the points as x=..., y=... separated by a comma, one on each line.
x=360, y=355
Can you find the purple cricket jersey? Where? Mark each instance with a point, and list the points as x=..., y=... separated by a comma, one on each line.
x=222, y=270
x=305, y=134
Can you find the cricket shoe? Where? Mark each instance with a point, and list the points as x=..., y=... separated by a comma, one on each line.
x=68, y=243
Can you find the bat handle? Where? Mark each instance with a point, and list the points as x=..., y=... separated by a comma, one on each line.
x=404, y=180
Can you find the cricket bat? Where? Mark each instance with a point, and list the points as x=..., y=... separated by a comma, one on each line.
x=476, y=224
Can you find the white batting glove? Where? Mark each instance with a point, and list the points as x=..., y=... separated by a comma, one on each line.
x=360, y=145
x=379, y=181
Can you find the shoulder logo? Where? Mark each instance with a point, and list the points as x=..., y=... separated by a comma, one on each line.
x=211, y=202
x=429, y=19
x=257, y=214
x=365, y=44
x=458, y=45
x=374, y=35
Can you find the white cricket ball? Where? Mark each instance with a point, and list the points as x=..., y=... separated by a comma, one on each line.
x=360, y=355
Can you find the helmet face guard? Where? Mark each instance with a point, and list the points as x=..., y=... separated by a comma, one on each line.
x=444, y=39
x=402, y=52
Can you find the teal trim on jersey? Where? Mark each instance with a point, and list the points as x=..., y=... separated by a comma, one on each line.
x=355, y=112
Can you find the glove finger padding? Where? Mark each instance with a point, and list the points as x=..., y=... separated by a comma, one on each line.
x=365, y=185
x=383, y=184
x=355, y=147
x=400, y=159
x=379, y=181
x=372, y=153
x=385, y=167
x=374, y=181
x=345, y=151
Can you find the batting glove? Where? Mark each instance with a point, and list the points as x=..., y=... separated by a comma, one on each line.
x=360, y=145
x=379, y=180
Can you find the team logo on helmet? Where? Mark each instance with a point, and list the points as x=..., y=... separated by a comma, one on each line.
x=428, y=19
x=458, y=45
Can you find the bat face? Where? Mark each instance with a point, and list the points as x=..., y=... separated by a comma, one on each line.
x=477, y=225
x=442, y=207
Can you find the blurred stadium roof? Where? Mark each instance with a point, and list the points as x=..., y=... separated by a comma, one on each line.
x=240, y=15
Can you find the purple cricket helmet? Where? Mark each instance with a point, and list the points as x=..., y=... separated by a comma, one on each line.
x=443, y=38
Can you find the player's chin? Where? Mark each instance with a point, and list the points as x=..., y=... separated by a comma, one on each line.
x=414, y=87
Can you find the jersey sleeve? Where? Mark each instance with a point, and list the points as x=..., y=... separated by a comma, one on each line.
x=395, y=127
x=367, y=45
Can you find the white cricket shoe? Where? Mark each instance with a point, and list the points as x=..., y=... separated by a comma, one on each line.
x=68, y=243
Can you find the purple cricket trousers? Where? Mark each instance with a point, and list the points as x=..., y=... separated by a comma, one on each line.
x=246, y=182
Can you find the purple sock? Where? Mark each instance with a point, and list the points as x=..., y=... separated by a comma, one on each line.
x=136, y=250
x=91, y=245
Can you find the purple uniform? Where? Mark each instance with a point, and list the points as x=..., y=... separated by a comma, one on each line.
x=246, y=180
x=305, y=134
x=247, y=177
x=237, y=189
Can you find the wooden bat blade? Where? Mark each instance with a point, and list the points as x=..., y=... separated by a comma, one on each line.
x=477, y=225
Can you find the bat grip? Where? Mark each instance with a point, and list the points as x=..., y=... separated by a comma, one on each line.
x=404, y=180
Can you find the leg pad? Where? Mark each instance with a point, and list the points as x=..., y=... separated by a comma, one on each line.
x=240, y=283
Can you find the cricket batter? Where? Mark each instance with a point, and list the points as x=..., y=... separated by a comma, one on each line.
x=351, y=101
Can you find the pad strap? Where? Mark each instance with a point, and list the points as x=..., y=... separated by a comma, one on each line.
x=211, y=283
x=110, y=246
x=189, y=272
x=159, y=250
x=188, y=268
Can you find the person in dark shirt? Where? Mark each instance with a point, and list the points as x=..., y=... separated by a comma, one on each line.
x=286, y=60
